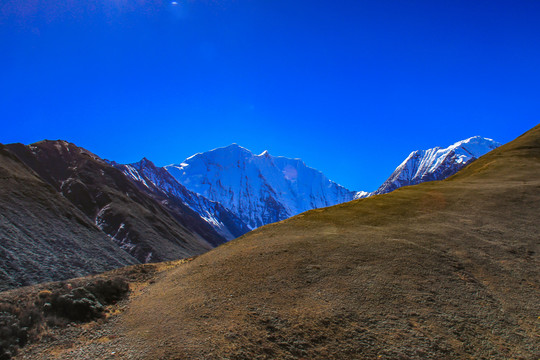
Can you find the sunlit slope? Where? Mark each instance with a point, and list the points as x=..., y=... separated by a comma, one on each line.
x=441, y=270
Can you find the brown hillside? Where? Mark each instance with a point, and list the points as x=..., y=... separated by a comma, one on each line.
x=441, y=270
x=138, y=223
x=43, y=237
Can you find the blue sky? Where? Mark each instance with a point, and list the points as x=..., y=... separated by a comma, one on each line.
x=351, y=87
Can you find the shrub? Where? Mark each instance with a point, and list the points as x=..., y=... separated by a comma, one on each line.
x=78, y=305
x=87, y=302
x=109, y=291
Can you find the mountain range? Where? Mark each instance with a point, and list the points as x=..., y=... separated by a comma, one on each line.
x=260, y=189
x=444, y=270
x=263, y=189
x=143, y=213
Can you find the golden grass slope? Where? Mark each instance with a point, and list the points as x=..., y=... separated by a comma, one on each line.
x=440, y=270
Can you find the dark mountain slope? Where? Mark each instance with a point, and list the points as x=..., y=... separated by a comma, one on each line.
x=440, y=270
x=134, y=220
x=43, y=237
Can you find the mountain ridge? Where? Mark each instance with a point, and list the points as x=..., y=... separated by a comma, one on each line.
x=436, y=163
x=260, y=189
x=44, y=237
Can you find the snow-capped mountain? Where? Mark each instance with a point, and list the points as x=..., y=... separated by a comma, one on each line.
x=437, y=163
x=260, y=189
x=158, y=180
x=235, y=190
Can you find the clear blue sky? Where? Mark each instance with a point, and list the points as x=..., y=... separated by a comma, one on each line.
x=349, y=86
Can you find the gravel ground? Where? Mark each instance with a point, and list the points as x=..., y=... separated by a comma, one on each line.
x=102, y=339
x=98, y=340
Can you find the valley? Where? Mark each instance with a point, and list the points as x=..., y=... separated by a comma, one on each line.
x=269, y=180
x=446, y=269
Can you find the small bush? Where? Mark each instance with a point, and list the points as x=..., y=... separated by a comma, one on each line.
x=78, y=305
x=87, y=302
x=109, y=291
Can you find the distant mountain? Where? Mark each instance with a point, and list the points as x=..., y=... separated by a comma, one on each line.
x=43, y=236
x=171, y=193
x=136, y=221
x=259, y=189
x=437, y=163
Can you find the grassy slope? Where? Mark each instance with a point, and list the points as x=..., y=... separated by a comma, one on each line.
x=440, y=270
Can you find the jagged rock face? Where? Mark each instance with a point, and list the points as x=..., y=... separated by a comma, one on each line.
x=135, y=221
x=437, y=163
x=163, y=185
x=259, y=189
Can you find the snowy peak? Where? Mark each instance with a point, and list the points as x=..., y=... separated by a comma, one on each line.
x=473, y=147
x=234, y=148
x=437, y=163
x=260, y=189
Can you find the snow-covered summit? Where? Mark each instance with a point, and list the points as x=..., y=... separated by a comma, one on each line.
x=437, y=163
x=260, y=189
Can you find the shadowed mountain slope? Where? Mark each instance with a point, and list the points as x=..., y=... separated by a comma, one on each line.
x=43, y=237
x=440, y=270
x=133, y=219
